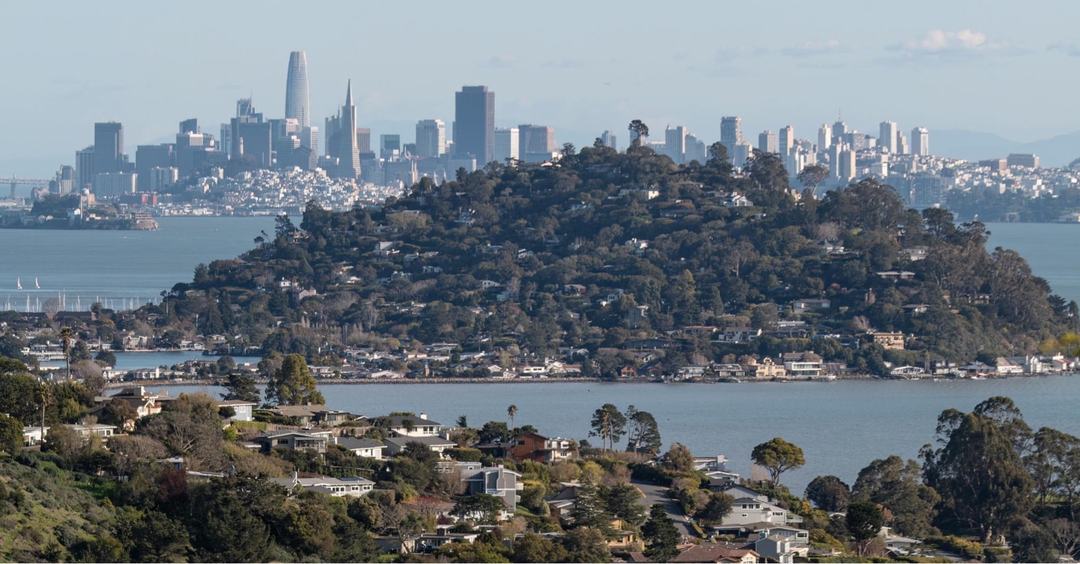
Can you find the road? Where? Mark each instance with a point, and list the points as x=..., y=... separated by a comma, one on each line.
x=659, y=494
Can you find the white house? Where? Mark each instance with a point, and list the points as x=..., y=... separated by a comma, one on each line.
x=336, y=487
x=364, y=448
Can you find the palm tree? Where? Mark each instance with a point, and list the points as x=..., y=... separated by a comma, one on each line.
x=511, y=412
x=65, y=337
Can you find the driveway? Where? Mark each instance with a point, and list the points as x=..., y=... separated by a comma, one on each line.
x=659, y=494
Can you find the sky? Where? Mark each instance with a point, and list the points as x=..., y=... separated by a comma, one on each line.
x=1008, y=68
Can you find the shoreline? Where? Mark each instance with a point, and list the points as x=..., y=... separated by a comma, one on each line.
x=473, y=381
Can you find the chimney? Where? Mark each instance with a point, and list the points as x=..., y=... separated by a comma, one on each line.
x=423, y=416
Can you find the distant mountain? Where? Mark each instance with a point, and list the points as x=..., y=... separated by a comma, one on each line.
x=1059, y=150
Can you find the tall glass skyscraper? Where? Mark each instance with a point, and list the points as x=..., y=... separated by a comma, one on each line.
x=296, y=89
x=474, y=124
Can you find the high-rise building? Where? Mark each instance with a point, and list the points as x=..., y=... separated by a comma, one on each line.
x=430, y=138
x=149, y=157
x=839, y=131
x=787, y=140
x=474, y=124
x=363, y=140
x=507, y=144
x=1026, y=160
x=902, y=147
x=741, y=153
x=824, y=137
x=920, y=141
x=887, y=133
x=675, y=143
x=343, y=138
x=609, y=140
x=309, y=137
x=768, y=142
x=847, y=165
x=389, y=145
x=84, y=168
x=296, y=89
x=190, y=125
x=108, y=147
x=536, y=143
x=695, y=150
x=731, y=132
x=251, y=137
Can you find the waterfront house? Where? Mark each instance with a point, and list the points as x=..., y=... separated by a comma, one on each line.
x=364, y=448
x=439, y=445
x=534, y=446
x=890, y=341
x=489, y=480
x=717, y=552
x=409, y=425
x=767, y=369
x=336, y=487
x=294, y=440
x=241, y=410
x=1005, y=367
x=802, y=364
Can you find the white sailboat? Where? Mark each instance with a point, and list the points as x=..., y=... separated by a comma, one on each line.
x=18, y=283
x=36, y=284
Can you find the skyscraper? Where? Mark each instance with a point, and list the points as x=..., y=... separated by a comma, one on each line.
x=920, y=141
x=824, y=137
x=675, y=143
x=609, y=140
x=847, y=165
x=251, y=137
x=787, y=140
x=296, y=89
x=507, y=144
x=430, y=138
x=536, y=143
x=84, y=168
x=731, y=132
x=887, y=132
x=768, y=142
x=341, y=140
x=389, y=145
x=474, y=124
x=108, y=147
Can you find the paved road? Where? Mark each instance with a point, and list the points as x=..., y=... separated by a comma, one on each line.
x=658, y=494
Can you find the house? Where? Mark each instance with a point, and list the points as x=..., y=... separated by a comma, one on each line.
x=782, y=540
x=294, y=440
x=314, y=414
x=34, y=435
x=802, y=365
x=491, y=480
x=534, y=446
x=364, y=448
x=896, y=275
x=241, y=410
x=767, y=369
x=890, y=341
x=142, y=402
x=737, y=335
x=775, y=549
x=1006, y=367
x=396, y=445
x=336, y=487
x=809, y=305
x=96, y=429
x=430, y=542
x=915, y=253
x=409, y=425
x=717, y=552
x=751, y=511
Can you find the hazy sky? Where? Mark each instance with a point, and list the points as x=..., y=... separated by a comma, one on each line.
x=1004, y=67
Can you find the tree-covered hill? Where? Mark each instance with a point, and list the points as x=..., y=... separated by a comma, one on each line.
x=607, y=251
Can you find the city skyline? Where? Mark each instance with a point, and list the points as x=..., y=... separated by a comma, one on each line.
x=925, y=71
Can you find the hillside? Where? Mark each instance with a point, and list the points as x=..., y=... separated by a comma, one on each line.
x=610, y=253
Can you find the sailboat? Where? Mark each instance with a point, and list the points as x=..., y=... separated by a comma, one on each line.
x=18, y=283
x=36, y=284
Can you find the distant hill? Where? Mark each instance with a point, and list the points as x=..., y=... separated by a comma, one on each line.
x=1059, y=150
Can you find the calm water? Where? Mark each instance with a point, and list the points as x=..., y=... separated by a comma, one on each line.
x=118, y=267
x=1050, y=248
x=841, y=426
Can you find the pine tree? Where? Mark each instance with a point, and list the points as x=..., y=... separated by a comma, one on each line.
x=293, y=384
x=661, y=536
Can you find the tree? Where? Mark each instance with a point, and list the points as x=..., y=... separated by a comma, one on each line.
x=777, y=456
x=829, y=493
x=660, y=535
x=511, y=412
x=813, y=175
x=623, y=501
x=19, y=396
x=151, y=536
x=718, y=507
x=188, y=426
x=293, y=384
x=678, y=459
x=897, y=486
x=644, y=435
x=11, y=438
x=639, y=133
x=532, y=547
x=864, y=521
x=608, y=424
x=586, y=545
x=241, y=387
x=986, y=439
x=482, y=506
x=589, y=509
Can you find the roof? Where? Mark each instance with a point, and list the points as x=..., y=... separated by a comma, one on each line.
x=321, y=481
x=402, y=442
x=353, y=442
x=713, y=552
x=397, y=421
x=235, y=403
x=298, y=410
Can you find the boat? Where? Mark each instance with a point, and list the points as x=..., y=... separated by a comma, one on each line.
x=36, y=284
x=18, y=283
